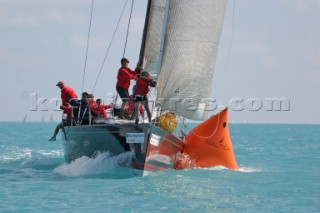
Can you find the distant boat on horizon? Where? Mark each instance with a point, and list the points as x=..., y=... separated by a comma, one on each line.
x=25, y=118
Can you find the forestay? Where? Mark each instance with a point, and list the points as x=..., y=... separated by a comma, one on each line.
x=190, y=49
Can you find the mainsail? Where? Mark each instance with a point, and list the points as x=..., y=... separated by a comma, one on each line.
x=193, y=29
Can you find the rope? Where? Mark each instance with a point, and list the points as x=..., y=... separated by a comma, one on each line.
x=87, y=50
x=107, y=53
x=125, y=45
x=204, y=137
x=229, y=49
x=231, y=41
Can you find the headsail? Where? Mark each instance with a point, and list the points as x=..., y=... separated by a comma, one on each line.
x=190, y=48
x=154, y=36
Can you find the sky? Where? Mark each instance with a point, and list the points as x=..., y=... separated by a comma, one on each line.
x=269, y=50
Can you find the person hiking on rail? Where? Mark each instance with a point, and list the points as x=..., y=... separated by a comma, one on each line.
x=67, y=109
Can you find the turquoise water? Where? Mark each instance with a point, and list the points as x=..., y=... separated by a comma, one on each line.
x=279, y=172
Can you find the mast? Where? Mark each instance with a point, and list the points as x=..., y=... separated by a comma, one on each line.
x=144, y=36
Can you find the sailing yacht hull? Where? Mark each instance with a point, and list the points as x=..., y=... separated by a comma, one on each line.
x=207, y=145
x=155, y=150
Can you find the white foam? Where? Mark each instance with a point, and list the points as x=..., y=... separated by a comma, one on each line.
x=241, y=169
x=216, y=168
x=15, y=153
x=52, y=153
x=102, y=163
x=249, y=170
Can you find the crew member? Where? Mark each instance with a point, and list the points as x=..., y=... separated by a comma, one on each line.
x=100, y=109
x=67, y=93
x=131, y=110
x=67, y=109
x=141, y=92
x=91, y=101
x=125, y=74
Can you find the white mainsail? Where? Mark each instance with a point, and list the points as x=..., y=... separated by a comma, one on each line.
x=191, y=40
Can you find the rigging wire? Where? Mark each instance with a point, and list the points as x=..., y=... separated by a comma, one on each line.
x=125, y=45
x=86, y=58
x=229, y=50
x=230, y=46
x=231, y=40
x=107, y=53
x=87, y=49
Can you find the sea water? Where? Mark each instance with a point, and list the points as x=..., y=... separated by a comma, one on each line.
x=279, y=172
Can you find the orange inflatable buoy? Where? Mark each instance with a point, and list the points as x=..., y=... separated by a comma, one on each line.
x=208, y=145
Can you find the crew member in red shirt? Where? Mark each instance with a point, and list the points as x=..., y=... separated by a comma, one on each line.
x=131, y=107
x=67, y=93
x=91, y=101
x=141, y=92
x=125, y=74
x=101, y=109
x=67, y=108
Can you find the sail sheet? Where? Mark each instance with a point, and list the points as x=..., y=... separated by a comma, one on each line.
x=154, y=37
x=193, y=31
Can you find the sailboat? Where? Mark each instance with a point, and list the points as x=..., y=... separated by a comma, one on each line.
x=25, y=118
x=179, y=49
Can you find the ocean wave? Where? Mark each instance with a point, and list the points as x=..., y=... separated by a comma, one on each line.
x=18, y=153
x=103, y=163
x=249, y=170
x=241, y=169
x=15, y=153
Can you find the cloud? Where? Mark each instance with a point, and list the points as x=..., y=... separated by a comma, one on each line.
x=17, y=18
x=256, y=47
x=137, y=24
x=80, y=41
x=14, y=3
x=54, y=15
x=2, y=52
x=313, y=55
x=312, y=71
x=315, y=76
x=24, y=13
x=304, y=5
x=19, y=13
x=23, y=21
